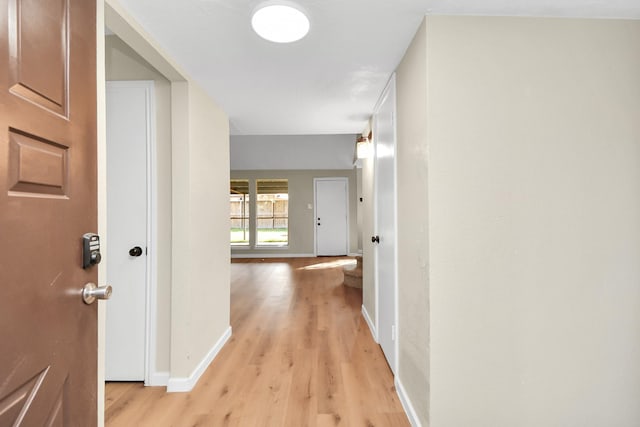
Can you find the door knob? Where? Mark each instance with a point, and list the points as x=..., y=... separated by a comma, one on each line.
x=135, y=251
x=375, y=239
x=91, y=292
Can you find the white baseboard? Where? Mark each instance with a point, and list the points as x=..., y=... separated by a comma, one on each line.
x=355, y=254
x=406, y=404
x=185, y=384
x=272, y=255
x=372, y=328
x=158, y=379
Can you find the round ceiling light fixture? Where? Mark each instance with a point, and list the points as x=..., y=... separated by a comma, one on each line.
x=280, y=22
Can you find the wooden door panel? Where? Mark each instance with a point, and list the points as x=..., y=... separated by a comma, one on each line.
x=37, y=42
x=36, y=165
x=22, y=406
x=48, y=200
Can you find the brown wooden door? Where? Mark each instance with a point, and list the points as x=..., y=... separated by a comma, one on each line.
x=48, y=336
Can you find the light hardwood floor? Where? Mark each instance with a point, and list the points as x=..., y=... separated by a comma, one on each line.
x=300, y=355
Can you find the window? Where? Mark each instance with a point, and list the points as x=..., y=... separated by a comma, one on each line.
x=239, y=203
x=272, y=212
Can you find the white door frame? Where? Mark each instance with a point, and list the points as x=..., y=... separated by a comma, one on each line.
x=383, y=97
x=151, y=376
x=315, y=209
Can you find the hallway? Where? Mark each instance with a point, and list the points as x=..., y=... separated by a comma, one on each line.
x=300, y=355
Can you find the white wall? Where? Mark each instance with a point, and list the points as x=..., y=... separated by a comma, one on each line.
x=277, y=152
x=532, y=162
x=535, y=221
x=413, y=225
x=200, y=296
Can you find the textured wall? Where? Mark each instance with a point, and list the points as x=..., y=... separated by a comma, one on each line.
x=200, y=292
x=534, y=221
x=413, y=226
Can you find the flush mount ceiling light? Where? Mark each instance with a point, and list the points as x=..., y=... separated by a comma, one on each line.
x=279, y=22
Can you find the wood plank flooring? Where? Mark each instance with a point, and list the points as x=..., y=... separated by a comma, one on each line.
x=300, y=355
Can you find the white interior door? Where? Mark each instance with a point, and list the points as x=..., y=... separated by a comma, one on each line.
x=128, y=133
x=385, y=224
x=331, y=216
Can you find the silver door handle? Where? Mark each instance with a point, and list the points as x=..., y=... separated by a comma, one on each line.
x=91, y=292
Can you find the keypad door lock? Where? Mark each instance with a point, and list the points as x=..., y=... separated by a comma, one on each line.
x=90, y=250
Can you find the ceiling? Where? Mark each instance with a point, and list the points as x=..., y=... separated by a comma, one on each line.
x=328, y=82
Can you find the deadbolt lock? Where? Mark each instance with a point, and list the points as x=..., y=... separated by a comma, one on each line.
x=90, y=250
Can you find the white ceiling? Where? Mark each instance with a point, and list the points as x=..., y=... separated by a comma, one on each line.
x=329, y=82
